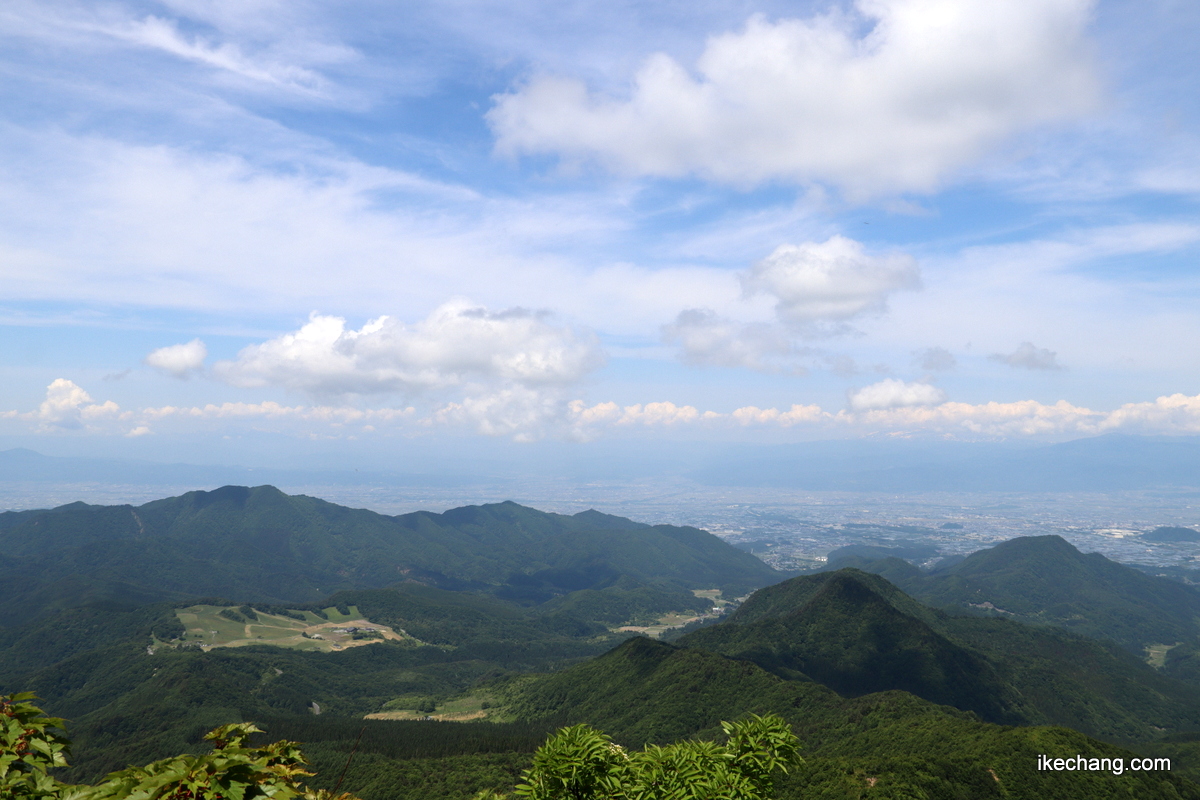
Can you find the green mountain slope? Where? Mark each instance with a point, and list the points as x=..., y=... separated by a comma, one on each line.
x=1045, y=580
x=127, y=704
x=890, y=744
x=1091, y=685
x=260, y=544
x=850, y=633
x=856, y=633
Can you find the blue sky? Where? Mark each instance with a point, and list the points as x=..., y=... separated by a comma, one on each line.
x=274, y=223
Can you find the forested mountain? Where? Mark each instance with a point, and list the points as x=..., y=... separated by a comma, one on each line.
x=645, y=691
x=127, y=704
x=843, y=629
x=1045, y=580
x=260, y=544
x=856, y=633
x=511, y=613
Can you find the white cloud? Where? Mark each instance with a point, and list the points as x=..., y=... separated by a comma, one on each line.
x=163, y=34
x=796, y=415
x=1171, y=414
x=706, y=339
x=179, y=360
x=101, y=222
x=893, y=406
x=928, y=88
x=663, y=413
x=68, y=407
x=828, y=282
x=519, y=412
x=525, y=414
x=1028, y=356
x=332, y=415
x=1019, y=419
x=817, y=287
x=893, y=393
x=457, y=344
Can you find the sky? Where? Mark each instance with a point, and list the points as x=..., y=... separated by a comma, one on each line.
x=233, y=230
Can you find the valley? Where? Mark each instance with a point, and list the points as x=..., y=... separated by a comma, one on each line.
x=491, y=626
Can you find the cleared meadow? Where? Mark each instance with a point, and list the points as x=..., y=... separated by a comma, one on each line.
x=226, y=626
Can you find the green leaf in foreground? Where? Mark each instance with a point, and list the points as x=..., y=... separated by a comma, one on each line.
x=581, y=763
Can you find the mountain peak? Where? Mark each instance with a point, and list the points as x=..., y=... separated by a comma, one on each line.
x=792, y=596
x=598, y=519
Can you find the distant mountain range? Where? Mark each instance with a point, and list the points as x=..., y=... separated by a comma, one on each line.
x=941, y=683
x=1103, y=463
x=263, y=545
x=25, y=465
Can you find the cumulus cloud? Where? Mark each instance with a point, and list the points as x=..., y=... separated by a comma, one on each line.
x=817, y=283
x=459, y=343
x=1028, y=356
x=817, y=287
x=890, y=406
x=1171, y=414
x=926, y=89
x=893, y=393
x=68, y=407
x=179, y=360
x=707, y=339
x=796, y=415
x=519, y=412
x=935, y=359
x=663, y=413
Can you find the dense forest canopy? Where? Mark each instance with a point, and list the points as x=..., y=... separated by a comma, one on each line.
x=944, y=682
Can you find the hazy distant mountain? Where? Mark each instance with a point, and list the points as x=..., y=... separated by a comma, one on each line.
x=22, y=464
x=1103, y=463
x=1172, y=534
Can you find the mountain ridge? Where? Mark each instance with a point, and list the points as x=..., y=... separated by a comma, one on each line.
x=261, y=544
x=1046, y=580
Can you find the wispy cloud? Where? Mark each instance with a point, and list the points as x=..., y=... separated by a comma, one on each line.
x=163, y=34
x=1029, y=356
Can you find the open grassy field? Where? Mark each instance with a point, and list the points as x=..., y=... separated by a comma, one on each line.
x=459, y=709
x=669, y=621
x=662, y=624
x=226, y=626
x=712, y=595
x=1156, y=654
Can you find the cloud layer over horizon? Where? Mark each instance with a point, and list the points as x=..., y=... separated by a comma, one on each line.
x=908, y=217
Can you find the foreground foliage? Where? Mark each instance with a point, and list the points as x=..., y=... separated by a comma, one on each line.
x=577, y=763
x=581, y=763
x=31, y=745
